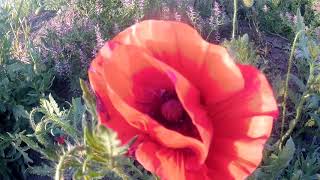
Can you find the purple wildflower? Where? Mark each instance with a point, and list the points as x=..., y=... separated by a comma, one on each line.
x=289, y=18
x=217, y=36
x=141, y=4
x=216, y=9
x=195, y=18
x=216, y=19
x=165, y=12
x=99, y=7
x=177, y=16
x=83, y=59
x=99, y=39
x=63, y=68
x=127, y=3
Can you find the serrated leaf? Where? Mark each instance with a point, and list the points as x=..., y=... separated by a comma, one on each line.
x=19, y=112
x=104, y=145
x=50, y=154
x=24, y=154
x=77, y=111
x=54, y=105
x=91, y=141
x=248, y=3
x=30, y=142
x=110, y=140
x=42, y=170
x=88, y=98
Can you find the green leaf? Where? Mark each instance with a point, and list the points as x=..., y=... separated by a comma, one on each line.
x=297, y=175
x=300, y=26
x=316, y=117
x=2, y=107
x=88, y=98
x=110, y=140
x=276, y=164
x=19, y=112
x=77, y=111
x=286, y=155
x=302, y=87
x=275, y=2
x=30, y=142
x=41, y=170
x=53, y=105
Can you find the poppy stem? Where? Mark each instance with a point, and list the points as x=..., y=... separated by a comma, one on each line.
x=235, y=10
x=285, y=96
x=62, y=159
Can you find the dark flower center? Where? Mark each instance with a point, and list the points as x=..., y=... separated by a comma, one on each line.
x=172, y=110
x=164, y=106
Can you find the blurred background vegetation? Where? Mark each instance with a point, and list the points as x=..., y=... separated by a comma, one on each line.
x=47, y=130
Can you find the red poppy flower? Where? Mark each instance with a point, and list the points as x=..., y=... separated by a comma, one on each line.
x=60, y=139
x=197, y=113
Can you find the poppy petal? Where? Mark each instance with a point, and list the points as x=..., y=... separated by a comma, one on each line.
x=207, y=66
x=237, y=158
x=242, y=125
x=167, y=163
x=256, y=99
x=189, y=96
x=119, y=72
x=107, y=114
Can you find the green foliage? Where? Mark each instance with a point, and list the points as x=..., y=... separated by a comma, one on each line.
x=306, y=165
x=53, y=4
x=79, y=29
x=100, y=155
x=87, y=150
x=13, y=154
x=276, y=163
x=278, y=16
x=109, y=15
x=67, y=138
x=21, y=84
x=53, y=124
x=68, y=52
x=207, y=17
x=300, y=117
x=20, y=88
x=242, y=50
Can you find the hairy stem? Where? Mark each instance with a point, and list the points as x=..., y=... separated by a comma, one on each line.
x=235, y=9
x=303, y=99
x=285, y=96
x=60, y=168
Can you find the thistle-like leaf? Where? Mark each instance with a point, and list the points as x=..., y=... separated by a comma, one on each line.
x=88, y=98
x=54, y=106
x=42, y=170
